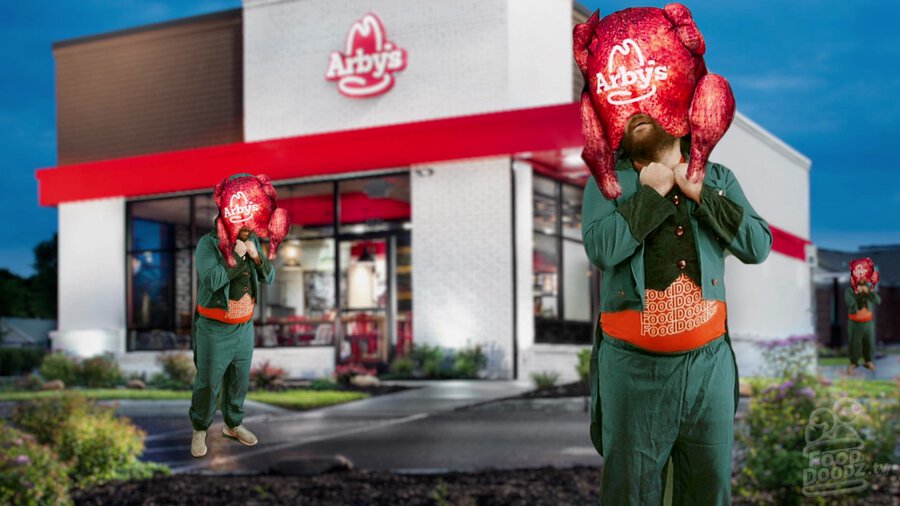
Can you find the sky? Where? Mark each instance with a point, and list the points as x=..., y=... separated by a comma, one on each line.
x=817, y=74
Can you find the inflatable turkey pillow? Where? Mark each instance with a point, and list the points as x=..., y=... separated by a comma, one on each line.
x=862, y=270
x=245, y=200
x=647, y=60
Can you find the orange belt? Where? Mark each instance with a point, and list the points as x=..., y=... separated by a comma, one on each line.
x=239, y=311
x=676, y=319
x=861, y=316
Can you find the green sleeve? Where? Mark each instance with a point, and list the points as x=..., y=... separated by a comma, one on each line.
x=264, y=270
x=752, y=240
x=213, y=271
x=874, y=296
x=644, y=211
x=720, y=214
x=607, y=235
x=850, y=299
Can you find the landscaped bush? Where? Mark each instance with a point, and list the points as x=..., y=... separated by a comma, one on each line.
x=402, y=367
x=178, y=371
x=583, y=367
x=266, y=376
x=15, y=361
x=28, y=381
x=96, y=444
x=427, y=360
x=469, y=362
x=344, y=373
x=431, y=362
x=60, y=366
x=776, y=424
x=545, y=379
x=100, y=371
x=30, y=473
x=322, y=384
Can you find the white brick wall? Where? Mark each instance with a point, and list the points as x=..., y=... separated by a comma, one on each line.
x=462, y=258
x=464, y=57
x=91, y=294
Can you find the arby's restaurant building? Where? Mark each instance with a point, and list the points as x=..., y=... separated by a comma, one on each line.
x=428, y=154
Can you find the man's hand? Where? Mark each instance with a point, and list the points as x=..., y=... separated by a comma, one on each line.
x=240, y=248
x=659, y=177
x=251, y=250
x=692, y=190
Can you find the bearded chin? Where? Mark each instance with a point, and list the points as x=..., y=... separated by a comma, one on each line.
x=648, y=145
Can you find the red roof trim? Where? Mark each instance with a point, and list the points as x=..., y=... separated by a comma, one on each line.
x=473, y=136
x=540, y=128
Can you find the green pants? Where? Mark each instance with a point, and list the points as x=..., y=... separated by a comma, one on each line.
x=654, y=406
x=862, y=340
x=222, y=354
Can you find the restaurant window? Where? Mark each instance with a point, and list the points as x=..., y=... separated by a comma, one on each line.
x=302, y=306
x=299, y=307
x=160, y=258
x=562, y=277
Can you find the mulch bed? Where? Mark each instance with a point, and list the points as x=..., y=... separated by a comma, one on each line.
x=539, y=486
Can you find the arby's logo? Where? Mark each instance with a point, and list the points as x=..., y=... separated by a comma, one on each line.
x=240, y=209
x=369, y=60
x=645, y=76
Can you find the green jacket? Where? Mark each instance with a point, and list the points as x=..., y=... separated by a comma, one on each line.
x=214, y=275
x=612, y=246
x=856, y=301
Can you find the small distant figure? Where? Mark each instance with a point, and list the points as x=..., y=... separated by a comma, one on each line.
x=861, y=299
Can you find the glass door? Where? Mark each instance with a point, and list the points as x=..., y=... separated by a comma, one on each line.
x=364, y=300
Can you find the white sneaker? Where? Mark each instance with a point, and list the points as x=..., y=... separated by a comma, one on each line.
x=240, y=433
x=198, y=443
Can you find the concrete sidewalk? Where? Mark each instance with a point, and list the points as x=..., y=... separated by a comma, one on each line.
x=887, y=367
x=282, y=431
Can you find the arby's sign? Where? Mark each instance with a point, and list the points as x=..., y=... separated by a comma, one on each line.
x=367, y=65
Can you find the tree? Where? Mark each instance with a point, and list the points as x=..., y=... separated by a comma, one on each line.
x=33, y=297
x=43, y=283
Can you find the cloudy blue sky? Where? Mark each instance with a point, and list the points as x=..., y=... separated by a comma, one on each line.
x=820, y=75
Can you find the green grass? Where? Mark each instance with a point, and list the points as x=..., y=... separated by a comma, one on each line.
x=291, y=399
x=834, y=361
x=855, y=387
x=305, y=399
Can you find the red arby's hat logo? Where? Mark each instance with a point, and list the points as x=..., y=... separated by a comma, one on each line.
x=369, y=60
x=240, y=209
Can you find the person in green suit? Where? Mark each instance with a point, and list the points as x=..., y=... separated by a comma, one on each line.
x=655, y=411
x=222, y=334
x=861, y=324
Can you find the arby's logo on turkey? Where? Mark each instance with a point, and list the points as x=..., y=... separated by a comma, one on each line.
x=240, y=209
x=619, y=82
x=367, y=65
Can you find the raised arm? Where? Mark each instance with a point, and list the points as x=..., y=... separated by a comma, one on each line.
x=729, y=214
x=610, y=233
x=212, y=270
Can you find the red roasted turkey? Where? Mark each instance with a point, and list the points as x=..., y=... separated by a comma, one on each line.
x=647, y=60
x=245, y=200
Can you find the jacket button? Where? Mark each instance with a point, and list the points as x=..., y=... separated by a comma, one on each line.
x=679, y=231
x=715, y=281
x=676, y=200
x=682, y=264
x=721, y=193
x=621, y=293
